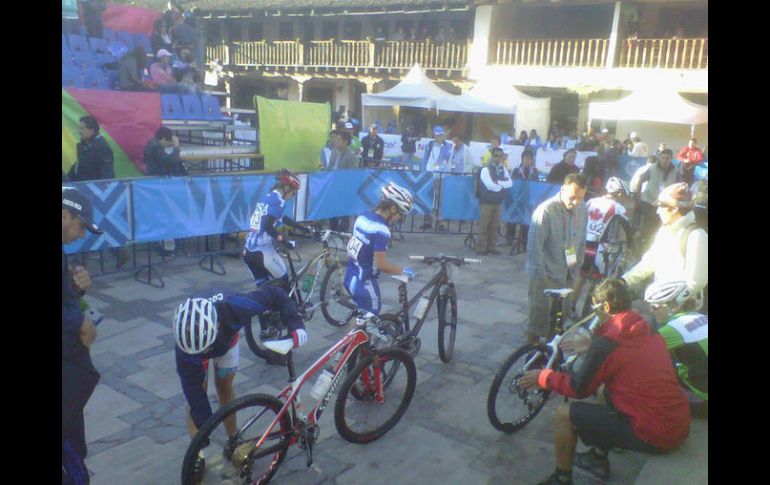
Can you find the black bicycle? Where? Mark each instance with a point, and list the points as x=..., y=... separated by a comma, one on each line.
x=442, y=289
x=509, y=407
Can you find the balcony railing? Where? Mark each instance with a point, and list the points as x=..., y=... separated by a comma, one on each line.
x=343, y=54
x=665, y=53
x=556, y=53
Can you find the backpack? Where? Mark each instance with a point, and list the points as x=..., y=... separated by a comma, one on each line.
x=683, y=249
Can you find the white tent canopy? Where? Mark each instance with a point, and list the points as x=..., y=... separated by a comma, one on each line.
x=415, y=90
x=479, y=101
x=648, y=105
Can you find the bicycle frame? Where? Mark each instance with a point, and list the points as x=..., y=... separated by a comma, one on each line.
x=321, y=260
x=439, y=279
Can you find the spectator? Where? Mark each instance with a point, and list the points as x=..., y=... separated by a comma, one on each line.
x=571, y=142
x=424, y=33
x=341, y=156
x=441, y=35
x=700, y=200
x=326, y=151
x=612, y=159
x=661, y=146
x=659, y=175
x=160, y=38
x=525, y=171
x=533, y=141
x=563, y=168
x=162, y=73
x=638, y=185
x=413, y=34
x=642, y=407
x=379, y=35
x=399, y=35
x=438, y=154
x=555, y=247
x=594, y=174
x=373, y=146
x=355, y=143
x=130, y=69
x=494, y=143
x=680, y=249
x=690, y=156
x=408, y=145
x=639, y=148
x=184, y=35
x=553, y=142
x=95, y=160
x=522, y=140
x=92, y=17
x=161, y=155
x=588, y=143
x=78, y=332
x=460, y=161
x=494, y=179
x=172, y=13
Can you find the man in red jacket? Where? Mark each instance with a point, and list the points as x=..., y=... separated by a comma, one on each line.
x=690, y=156
x=644, y=407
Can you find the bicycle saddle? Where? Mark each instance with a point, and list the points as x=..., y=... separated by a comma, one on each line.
x=280, y=346
x=400, y=278
x=561, y=292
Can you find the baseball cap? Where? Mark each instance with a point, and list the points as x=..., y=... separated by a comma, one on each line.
x=438, y=130
x=633, y=135
x=605, y=130
x=77, y=203
x=164, y=53
x=348, y=125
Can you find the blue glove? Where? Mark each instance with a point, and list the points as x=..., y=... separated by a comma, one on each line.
x=409, y=273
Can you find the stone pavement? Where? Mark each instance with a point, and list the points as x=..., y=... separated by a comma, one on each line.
x=135, y=421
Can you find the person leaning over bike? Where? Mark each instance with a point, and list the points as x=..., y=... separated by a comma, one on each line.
x=368, y=245
x=644, y=407
x=600, y=210
x=680, y=249
x=206, y=326
x=687, y=337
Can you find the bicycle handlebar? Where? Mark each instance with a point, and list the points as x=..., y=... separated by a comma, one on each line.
x=444, y=259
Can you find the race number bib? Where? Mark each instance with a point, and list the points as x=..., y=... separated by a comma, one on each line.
x=571, y=256
x=370, y=153
x=256, y=217
x=354, y=246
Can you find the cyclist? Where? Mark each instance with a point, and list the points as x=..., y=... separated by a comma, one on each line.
x=206, y=326
x=600, y=210
x=367, y=248
x=687, y=337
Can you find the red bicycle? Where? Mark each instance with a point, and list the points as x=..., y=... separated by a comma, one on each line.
x=374, y=393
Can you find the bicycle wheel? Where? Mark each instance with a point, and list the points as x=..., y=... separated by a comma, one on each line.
x=336, y=302
x=447, y=324
x=510, y=408
x=253, y=329
x=237, y=459
x=615, y=241
x=391, y=326
x=375, y=411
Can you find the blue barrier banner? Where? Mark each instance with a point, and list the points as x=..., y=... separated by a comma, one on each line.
x=351, y=192
x=458, y=199
x=111, y=213
x=526, y=195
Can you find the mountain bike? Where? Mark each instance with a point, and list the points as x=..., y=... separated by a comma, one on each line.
x=364, y=410
x=301, y=287
x=509, y=407
x=442, y=289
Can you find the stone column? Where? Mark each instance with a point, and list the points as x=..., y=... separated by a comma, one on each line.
x=612, y=47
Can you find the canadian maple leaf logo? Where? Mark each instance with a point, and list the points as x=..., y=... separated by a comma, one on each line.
x=595, y=214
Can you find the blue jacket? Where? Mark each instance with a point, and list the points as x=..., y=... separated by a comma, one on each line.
x=445, y=155
x=234, y=310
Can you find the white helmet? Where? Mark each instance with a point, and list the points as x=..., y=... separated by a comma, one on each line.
x=195, y=325
x=617, y=185
x=676, y=293
x=399, y=195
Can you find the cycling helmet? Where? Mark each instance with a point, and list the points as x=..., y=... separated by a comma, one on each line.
x=399, y=195
x=616, y=185
x=668, y=292
x=286, y=177
x=195, y=325
x=678, y=195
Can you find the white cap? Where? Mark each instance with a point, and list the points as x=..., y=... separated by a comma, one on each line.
x=633, y=135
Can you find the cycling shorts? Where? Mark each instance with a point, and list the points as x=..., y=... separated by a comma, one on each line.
x=226, y=364
x=264, y=263
x=589, y=260
x=604, y=427
x=365, y=293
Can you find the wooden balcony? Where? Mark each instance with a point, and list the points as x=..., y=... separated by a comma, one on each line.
x=552, y=53
x=664, y=53
x=345, y=54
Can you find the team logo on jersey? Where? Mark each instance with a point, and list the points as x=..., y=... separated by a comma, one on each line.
x=595, y=214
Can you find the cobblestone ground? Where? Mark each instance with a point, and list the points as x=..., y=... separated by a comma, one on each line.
x=135, y=421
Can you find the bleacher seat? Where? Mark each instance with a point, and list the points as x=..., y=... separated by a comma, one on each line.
x=102, y=59
x=78, y=43
x=127, y=38
x=109, y=35
x=83, y=60
x=71, y=77
x=118, y=49
x=95, y=78
x=211, y=108
x=98, y=46
x=144, y=41
x=171, y=107
x=192, y=107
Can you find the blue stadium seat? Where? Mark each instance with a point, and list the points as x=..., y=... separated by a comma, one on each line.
x=71, y=77
x=109, y=35
x=118, y=49
x=171, y=107
x=144, y=41
x=102, y=59
x=78, y=43
x=192, y=107
x=127, y=38
x=98, y=46
x=83, y=60
x=211, y=108
x=95, y=78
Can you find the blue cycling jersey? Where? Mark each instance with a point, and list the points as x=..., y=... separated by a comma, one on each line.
x=271, y=204
x=370, y=234
x=234, y=310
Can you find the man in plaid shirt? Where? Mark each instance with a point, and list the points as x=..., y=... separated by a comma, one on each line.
x=555, y=246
